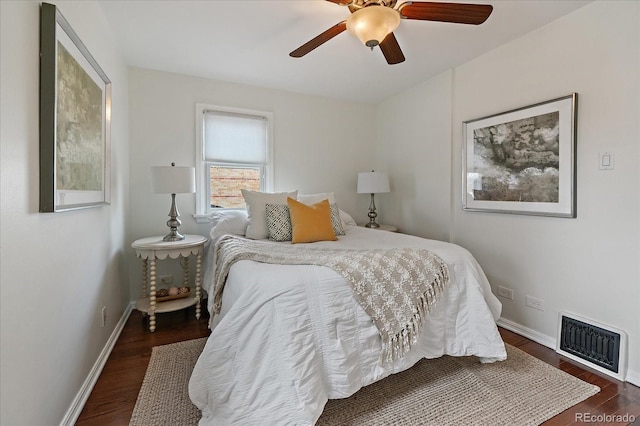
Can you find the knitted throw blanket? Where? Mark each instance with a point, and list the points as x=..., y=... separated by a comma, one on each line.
x=396, y=287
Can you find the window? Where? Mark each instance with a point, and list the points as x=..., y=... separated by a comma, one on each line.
x=233, y=152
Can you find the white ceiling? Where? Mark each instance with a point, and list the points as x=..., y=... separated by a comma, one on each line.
x=248, y=41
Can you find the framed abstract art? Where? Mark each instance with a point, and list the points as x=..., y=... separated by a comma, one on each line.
x=75, y=111
x=522, y=161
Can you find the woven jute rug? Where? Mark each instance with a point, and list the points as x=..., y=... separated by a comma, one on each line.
x=446, y=391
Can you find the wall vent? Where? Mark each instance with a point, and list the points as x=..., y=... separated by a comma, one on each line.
x=601, y=347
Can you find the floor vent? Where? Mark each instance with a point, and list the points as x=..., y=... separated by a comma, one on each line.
x=582, y=340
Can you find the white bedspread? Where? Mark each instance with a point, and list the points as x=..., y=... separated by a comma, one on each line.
x=288, y=338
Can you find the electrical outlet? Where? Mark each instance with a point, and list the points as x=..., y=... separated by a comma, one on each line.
x=104, y=316
x=166, y=280
x=534, y=303
x=505, y=292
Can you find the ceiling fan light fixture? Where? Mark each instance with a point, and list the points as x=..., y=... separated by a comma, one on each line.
x=373, y=23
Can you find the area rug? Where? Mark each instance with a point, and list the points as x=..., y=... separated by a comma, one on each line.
x=446, y=391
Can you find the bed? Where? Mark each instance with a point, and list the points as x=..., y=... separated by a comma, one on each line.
x=287, y=338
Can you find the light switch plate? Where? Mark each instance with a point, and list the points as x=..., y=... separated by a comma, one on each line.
x=607, y=160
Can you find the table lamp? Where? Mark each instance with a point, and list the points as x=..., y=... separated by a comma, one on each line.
x=372, y=183
x=173, y=180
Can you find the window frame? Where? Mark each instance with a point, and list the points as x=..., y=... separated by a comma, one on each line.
x=203, y=209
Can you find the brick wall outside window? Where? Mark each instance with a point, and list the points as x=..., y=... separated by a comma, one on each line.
x=226, y=183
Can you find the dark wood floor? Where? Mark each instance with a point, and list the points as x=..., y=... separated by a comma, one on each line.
x=112, y=400
x=115, y=393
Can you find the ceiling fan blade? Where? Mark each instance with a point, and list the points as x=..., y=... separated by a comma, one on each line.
x=341, y=2
x=458, y=13
x=391, y=50
x=319, y=40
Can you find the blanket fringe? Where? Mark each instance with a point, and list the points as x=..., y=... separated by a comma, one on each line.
x=397, y=345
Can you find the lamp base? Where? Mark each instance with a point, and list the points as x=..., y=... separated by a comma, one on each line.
x=173, y=223
x=372, y=215
x=173, y=236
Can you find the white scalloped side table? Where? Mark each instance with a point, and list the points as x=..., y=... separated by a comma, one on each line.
x=153, y=248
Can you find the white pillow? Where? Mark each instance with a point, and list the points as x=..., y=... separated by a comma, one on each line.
x=347, y=219
x=310, y=199
x=256, y=210
x=228, y=222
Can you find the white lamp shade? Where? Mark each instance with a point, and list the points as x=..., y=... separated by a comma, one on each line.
x=373, y=23
x=373, y=182
x=173, y=179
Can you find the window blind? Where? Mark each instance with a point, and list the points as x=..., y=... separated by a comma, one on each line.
x=235, y=138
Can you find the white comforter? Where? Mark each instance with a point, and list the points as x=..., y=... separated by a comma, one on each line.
x=289, y=338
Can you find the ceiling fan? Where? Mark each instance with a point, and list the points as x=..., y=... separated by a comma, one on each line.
x=373, y=22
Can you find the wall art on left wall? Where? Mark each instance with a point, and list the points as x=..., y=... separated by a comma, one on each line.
x=75, y=115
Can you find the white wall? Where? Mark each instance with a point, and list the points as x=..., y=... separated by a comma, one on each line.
x=414, y=134
x=319, y=145
x=588, y=265
x=58, y=269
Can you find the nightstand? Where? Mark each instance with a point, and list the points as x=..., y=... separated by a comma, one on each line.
x=152, y=249
x=390, y=228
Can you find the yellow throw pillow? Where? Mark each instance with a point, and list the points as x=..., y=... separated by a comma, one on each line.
x=311, y=223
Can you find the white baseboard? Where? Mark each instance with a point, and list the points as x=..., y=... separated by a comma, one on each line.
x=550, y=342
x=77, y=405
x=529, y=333
x=633, y=377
